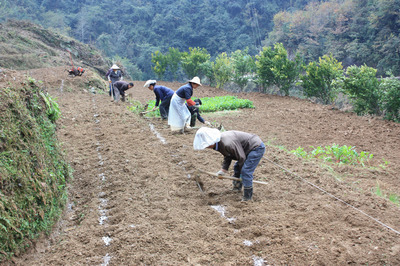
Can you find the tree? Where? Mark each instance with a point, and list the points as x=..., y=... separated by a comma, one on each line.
x=317, y=82
x=192, y=61
x=243, y=66
x=391, y=99
x=160, y=63
x=275, y=68
x=362, y=86
x=222, y=69
x=173, y=60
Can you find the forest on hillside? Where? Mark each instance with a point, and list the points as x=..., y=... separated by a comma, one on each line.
x=355, y=31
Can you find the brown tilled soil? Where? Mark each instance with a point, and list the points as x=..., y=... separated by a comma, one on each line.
x=134, y=201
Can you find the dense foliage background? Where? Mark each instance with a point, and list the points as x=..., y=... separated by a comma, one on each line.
x=134, y=29
x=354, y=31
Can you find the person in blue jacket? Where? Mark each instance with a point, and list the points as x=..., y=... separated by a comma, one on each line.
x=163, y=94
x=179, y=115
x=195, y=113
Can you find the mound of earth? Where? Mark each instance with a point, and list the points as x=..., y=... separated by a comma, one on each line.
x=134, y=199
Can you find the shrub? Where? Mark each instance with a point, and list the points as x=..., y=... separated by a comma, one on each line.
x=318, y=81
x=275, y=68
x=391, y=98
x=362, y=86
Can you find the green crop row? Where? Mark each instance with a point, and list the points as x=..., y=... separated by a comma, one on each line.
x=337, y=154
x=212, y=104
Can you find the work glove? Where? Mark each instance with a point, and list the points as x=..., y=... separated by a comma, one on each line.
x=207, y=123
x=220, y=172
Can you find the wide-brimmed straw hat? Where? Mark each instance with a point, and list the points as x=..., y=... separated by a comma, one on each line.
x=150, y=82
x=115, y=67
x=195, y=80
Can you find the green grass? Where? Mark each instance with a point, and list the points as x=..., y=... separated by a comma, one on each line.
x=391, y=196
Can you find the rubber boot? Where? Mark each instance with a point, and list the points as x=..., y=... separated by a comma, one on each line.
x=247, y=193
x=237, y=185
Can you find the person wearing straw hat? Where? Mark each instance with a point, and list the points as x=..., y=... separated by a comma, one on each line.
x=247, y=149
x=179, y=115
x=114, y=75
x=163, y=94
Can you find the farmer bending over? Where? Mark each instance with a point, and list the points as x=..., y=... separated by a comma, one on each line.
x=179, y=115
x=119, y=89
x=163, y=94
x=195, y=113
x=247, y=149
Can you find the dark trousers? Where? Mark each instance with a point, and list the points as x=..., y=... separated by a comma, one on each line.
x=164, y=108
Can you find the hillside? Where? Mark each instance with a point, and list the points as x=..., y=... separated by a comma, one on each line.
x=24, y=45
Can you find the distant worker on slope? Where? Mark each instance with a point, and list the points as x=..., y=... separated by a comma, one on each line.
x=119, y=89
x=163, y=94
x=179, y=115
x=247, y=149
x=76, y=71
x=113, y=76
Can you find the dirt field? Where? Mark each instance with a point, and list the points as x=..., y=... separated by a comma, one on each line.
x=134, y=201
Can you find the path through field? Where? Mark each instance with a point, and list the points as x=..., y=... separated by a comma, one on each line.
x=134, y=201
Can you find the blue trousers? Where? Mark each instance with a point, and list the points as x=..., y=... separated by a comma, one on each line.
x=252, y=160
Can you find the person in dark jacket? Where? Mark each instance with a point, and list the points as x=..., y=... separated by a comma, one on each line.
x=113, y=76
x=163, y=94
x=195, y=113
x=247, y=149
x=119, y=89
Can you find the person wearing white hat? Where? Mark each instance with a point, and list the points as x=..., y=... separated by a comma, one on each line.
x=163, y=94
x=113, y=76
x=247, y=149
x=179, y=115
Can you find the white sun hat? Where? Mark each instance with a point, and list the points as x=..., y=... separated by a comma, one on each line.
x=115, y=67
x=149, y=82
x=205, y=137
x=196, y=80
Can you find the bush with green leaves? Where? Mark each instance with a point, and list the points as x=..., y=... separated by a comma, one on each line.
x=173, y=61
x=319, y=77
x=274, y=68
x=192, y=61
x=160, y=63
x=362, y=86
x=391, y=98
x=222, y=70
x=244, y=67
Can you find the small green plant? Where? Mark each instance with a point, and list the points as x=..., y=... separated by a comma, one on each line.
x=392, y=197
x=337, y=154
x=384, y=164
x=378, y=190
x=300, y=152
x=53, y=110
x=135, y=106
